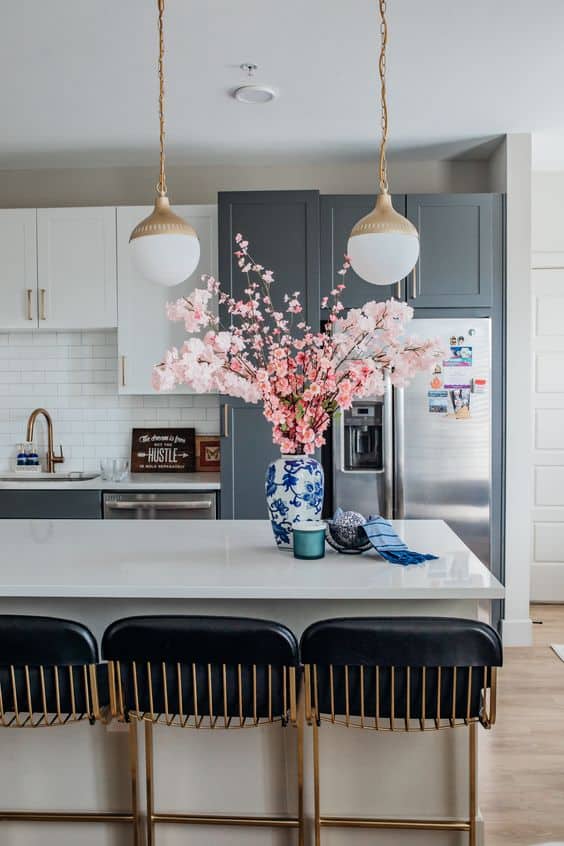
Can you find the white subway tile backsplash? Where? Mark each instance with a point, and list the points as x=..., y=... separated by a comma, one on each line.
x=74, y=375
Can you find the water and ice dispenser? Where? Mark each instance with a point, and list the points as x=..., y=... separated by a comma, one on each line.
x=363, y=441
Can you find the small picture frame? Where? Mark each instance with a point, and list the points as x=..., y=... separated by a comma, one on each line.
x=208, y=449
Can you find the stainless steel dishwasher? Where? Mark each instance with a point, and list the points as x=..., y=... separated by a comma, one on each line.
x=176, y=505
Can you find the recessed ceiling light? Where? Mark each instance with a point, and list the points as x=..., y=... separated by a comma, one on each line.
x=251, y=92
x=254, y=94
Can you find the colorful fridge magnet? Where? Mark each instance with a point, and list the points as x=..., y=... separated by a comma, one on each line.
x=436, y=382
x=460, y=400
x=479, y=386
x=438, y=402
x=460, y=356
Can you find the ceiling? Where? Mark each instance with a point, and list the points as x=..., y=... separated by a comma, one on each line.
x=79, y=82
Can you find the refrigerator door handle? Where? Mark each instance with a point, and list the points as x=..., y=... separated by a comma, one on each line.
x=399, y=452
x=388, y=449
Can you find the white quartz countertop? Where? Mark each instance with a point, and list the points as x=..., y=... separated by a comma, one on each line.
x=133, y=482
x=223, y=559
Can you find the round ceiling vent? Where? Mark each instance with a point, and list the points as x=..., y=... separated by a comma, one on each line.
x=254, y=94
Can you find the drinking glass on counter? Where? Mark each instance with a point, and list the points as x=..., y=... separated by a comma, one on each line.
x=121, y=466
x=107, y=469
x=114, y=469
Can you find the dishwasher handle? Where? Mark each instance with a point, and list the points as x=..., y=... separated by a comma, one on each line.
x=161, y=504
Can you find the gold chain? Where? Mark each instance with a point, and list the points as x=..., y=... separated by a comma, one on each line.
x=384, y=104
x=161, y=187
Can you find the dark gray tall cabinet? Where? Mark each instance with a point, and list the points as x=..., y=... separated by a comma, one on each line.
x=282, y=228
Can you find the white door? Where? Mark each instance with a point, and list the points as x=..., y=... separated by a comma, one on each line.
x=547, y=572
x=77, y=268
x=18, y=283
x=144, y=332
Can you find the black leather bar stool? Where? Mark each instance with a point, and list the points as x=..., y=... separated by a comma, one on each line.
x=205, y=672
x=50, y=677
x=400, y=674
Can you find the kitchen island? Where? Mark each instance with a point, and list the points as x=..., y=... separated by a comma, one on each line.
x=97, y=571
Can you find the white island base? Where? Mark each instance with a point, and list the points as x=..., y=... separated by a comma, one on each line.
x=97, y=572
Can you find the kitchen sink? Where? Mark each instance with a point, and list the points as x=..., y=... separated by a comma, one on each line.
x=77, y=476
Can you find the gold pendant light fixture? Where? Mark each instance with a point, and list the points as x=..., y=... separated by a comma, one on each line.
x=165, y=247
x=383, y=247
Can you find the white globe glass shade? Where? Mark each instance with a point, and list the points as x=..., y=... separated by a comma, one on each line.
x=166, y=259
x=383, y=258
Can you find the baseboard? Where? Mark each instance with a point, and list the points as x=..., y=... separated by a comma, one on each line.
x=517, y=632
x=547, y=582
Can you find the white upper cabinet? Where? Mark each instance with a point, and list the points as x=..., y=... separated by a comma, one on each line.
x=18, y=269
x=76, y=268
x=144, y=332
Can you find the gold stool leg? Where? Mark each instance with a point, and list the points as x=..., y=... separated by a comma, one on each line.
x=300, y=727
x=149, y=782
x=317, y=811
x=134, y=774
x=473, y=798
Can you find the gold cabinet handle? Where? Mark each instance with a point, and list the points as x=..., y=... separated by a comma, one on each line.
x=414, y=283
x=398, y=290
x=123, y=370
x=225, y=432
x=29, y=294
x=42, y=304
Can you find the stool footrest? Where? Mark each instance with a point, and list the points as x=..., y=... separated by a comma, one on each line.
x=226, y=819
x=66, y=816
x=421, y=824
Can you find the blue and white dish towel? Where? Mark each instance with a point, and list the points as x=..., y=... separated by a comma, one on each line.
x=389, y=546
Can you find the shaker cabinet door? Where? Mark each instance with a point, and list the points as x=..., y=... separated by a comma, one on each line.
x=77, y=268
x=282, y=228
x=339, y=213
x=460, y=249
x=144, y=331
x=246, y=451
x=18, y=289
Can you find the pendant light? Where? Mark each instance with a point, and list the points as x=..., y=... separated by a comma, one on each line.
x=383, y=247
x=165, y=248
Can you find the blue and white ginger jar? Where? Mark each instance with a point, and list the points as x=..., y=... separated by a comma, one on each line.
x=294, y=494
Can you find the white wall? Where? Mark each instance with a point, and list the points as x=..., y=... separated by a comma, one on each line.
x=547, y=306
x=74, y=376
x=135, y=185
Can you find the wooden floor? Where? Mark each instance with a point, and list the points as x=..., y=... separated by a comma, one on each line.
x=522, y=758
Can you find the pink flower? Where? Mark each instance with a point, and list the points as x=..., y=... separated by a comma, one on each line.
x=301, y=377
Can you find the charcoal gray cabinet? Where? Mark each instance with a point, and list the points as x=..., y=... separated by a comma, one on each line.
x=282, y=228
x=338, y=215
x=460, y=250
x=246, y=451
x=50, y=505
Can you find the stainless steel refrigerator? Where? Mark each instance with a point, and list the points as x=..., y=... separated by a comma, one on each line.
x=424, y=452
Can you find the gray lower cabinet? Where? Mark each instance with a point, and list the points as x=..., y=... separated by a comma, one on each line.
x=50, y=505
x=246, y=451
x=338, y=215
x=460, y=249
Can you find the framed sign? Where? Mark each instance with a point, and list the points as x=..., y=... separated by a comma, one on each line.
x=163, y=451
x=207, y=453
